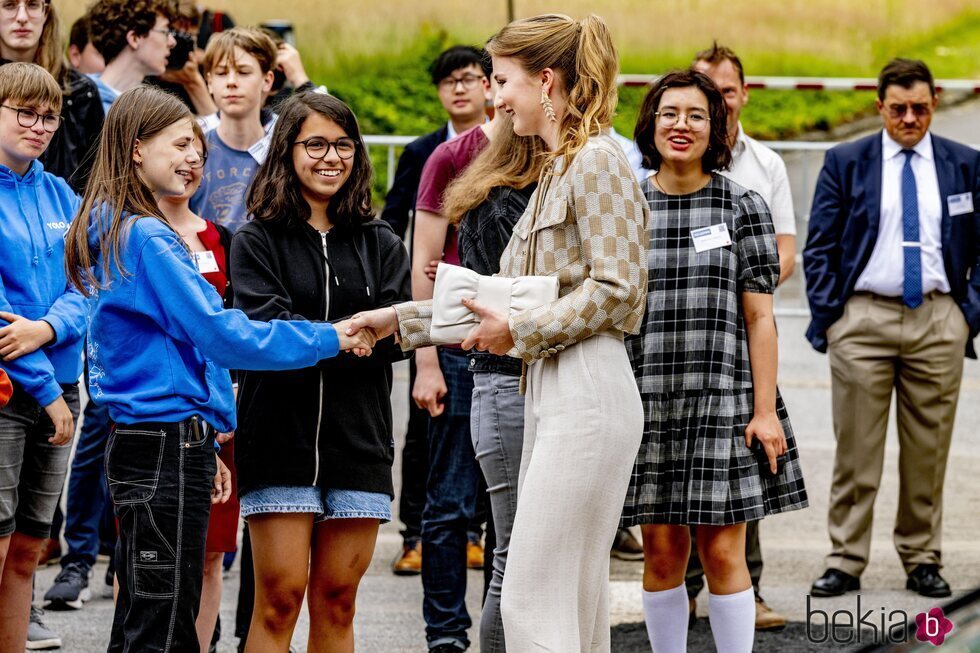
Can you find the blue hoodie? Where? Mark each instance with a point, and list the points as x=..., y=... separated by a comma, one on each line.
x=35, y=212
x=160, y=344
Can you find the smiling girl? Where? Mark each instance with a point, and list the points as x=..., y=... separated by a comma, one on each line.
x=315, y=446
x=159, y=346
x=705, y=363
x=582, y=419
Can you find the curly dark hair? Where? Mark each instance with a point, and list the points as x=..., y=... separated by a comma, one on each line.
x=718, y=156
x=111, y=20
x=275, y=190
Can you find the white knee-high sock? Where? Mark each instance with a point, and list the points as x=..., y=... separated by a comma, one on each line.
x=733, y=621
x=666, y=617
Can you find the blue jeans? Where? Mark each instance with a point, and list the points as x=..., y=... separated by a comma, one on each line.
x=449, y=506
x=88, y=491
x=498, y=438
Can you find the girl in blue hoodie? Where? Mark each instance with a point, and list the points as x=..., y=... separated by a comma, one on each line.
x=160, y=345
x=41, y=324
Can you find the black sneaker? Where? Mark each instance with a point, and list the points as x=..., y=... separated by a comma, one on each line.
x=70, y=588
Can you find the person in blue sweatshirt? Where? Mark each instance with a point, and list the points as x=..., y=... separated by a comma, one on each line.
x=160, y=345
x=42, y=320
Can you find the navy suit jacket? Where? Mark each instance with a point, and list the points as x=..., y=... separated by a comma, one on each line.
x=400, y=201
x=844, y=227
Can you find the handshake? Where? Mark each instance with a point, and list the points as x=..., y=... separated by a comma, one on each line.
x=361, y=332
x=364, y=329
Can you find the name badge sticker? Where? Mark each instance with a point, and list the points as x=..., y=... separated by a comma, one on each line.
x=711, y=237
x=960, y=204
x=205, y=261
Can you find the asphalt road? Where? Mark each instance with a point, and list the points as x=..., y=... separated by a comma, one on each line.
x=389, y=614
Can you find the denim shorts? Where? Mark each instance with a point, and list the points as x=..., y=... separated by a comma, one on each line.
x=32, y=470
x=325, y=504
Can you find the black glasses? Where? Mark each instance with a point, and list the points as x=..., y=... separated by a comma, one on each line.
x=468, y=81
x=202, y=158
x=34, y=8
x=317, y=147
x=27, y=118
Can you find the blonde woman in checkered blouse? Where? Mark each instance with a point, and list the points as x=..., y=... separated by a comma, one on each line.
x=585, y=224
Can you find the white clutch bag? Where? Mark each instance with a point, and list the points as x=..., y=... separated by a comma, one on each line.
x=452, y=322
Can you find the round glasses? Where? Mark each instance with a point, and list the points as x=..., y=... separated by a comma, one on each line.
x=696, y=121
x=27, y=118
x=318, y=148
x=34, y=8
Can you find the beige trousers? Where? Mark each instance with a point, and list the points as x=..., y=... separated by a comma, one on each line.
x=582, y=430
x=880, y=345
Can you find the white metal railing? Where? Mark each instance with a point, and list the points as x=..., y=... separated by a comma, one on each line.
x=817, y=83
x=803, y=161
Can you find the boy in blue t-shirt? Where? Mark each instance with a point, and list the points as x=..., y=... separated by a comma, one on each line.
x=238, y=66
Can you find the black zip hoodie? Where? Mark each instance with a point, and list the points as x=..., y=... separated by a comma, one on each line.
x=328, y=425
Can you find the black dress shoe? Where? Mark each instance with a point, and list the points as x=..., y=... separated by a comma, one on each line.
x=925, y=580
x=835, y=582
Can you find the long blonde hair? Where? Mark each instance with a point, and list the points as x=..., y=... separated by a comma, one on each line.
x=115, y=191
x=509, y=160
x=583, y=55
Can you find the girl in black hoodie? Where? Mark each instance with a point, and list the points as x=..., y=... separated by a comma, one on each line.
x=314, y=446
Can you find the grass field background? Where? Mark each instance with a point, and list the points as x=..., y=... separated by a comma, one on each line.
x=374, y=53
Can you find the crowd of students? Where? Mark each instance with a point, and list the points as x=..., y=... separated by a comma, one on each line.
x=209, y=240
x=246, y=245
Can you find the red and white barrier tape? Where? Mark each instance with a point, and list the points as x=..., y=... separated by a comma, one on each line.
x=817, y=83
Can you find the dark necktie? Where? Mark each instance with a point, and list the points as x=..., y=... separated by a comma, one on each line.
x=911, y=247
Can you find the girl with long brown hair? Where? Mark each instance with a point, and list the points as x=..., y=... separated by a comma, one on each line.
x=160, y=345
x=583, y=419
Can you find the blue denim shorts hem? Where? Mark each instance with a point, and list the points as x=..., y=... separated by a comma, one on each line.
x=339, y=503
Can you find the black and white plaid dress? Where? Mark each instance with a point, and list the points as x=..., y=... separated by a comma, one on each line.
x=692, y=366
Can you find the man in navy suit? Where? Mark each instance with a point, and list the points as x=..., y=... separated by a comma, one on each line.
x=457, y=74
x=892, y=265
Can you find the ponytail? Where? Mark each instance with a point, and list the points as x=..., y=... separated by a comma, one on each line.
x=583, y=55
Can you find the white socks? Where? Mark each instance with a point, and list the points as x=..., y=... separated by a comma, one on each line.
x=666, y=617
x=732, y=621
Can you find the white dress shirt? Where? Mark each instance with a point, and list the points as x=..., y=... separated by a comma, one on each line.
x=756, y=167
x=885, y=272
x=633, y=154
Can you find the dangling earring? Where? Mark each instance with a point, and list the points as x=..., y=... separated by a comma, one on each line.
x=549, y=108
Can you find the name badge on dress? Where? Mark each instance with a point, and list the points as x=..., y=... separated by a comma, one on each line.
x=205, y=261
x=711, y=237
x=960, y=204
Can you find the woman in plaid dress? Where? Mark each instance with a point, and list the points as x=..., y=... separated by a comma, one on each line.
x=705, y=362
